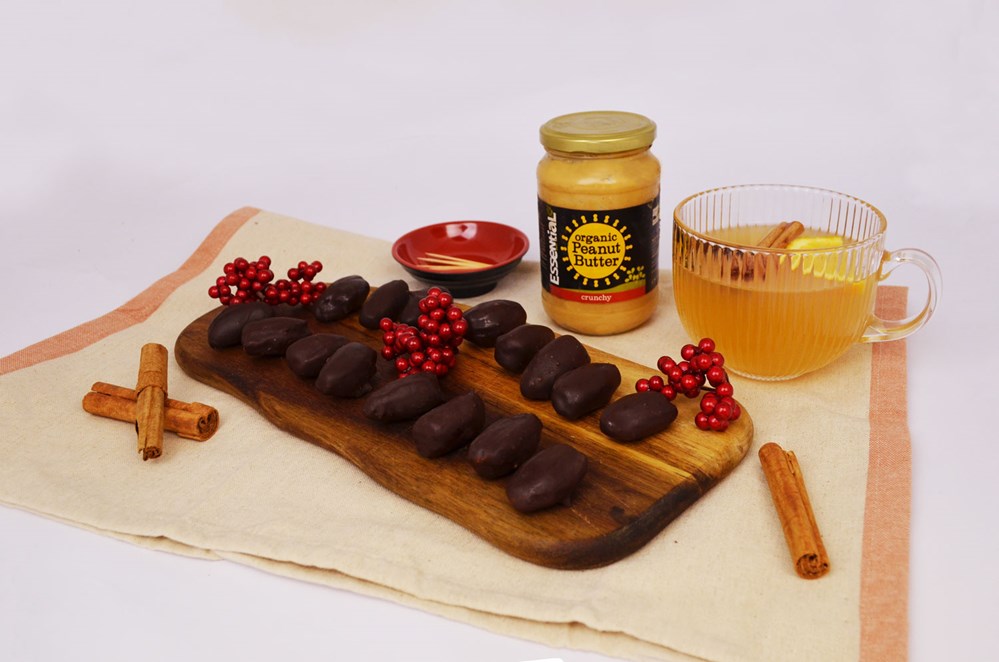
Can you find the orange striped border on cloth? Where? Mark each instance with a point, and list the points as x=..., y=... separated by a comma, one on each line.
x=885, y=563
x=884, y=569
x=135, y=310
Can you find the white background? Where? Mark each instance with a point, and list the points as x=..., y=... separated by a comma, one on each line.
x=128, y=129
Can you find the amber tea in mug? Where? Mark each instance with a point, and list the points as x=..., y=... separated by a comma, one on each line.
x=777, y=312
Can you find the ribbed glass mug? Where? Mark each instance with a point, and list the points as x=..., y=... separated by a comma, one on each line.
x=777, y=313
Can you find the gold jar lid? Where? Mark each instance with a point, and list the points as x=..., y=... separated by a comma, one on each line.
x=598, y=132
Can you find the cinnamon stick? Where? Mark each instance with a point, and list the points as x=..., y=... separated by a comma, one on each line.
x=787, y=488
x=779, y=237
x=150, y=405
x=190, y=420
x=782, y=235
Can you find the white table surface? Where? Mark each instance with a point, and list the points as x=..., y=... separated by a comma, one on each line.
x=127, y=130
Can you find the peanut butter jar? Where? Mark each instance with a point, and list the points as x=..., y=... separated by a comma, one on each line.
x=598, y=218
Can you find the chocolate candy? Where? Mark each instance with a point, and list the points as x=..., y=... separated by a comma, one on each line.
x=557, y=357
x=449, y=426
x=491, y=319
x=516, y=348
x=548, y=478
x=341, y=298
x=306, y=356
x=348, y=372
x=272, y=336
x=505, y=445
x=405, y=398
x=578, y=392
x=636, y=416
x=387, y=301
x=226, y=330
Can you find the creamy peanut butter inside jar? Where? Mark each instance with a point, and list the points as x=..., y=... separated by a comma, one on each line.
x=598, y=216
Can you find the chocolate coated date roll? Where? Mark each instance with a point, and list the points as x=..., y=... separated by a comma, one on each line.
x=272, y=336
x=387, y=301
x=342, y=297
x=636, y=416
x=516, y=348
x=490, y=319
x=554, y=359
x=505, y=445
x=226, y=330
x=404, y=399
x=581, y=390
x=449, y=426
x=547, y=479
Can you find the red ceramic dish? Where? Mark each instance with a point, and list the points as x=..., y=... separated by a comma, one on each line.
x=466, y=257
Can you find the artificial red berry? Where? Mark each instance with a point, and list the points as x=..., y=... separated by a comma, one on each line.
x=707, y=345
x=642, y=385
x=665, y=364
x=687, y=352
x=656, y=383
x=716, y=375
x=724, y=390
x=701, y=421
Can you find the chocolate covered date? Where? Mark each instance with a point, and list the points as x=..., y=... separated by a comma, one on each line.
x=387, y=301
x=272, y=336
x=341, y=298
x=516, y=348
x=505, y=445
x=636, y=416
x=548, y=478
x=553, y=360
x=491, y=319
x=581, y=390
x=404, y=399
x=306, y=357
x=226, y=330
x=449, y=426
x=348, y=372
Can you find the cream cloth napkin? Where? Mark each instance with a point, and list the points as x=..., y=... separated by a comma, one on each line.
x=716, y=584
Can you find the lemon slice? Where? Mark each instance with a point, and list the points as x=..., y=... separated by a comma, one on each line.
x=823, y=265
x=807, y=243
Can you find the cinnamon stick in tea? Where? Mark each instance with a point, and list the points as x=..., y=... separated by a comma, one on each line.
x=787, y=487
x=779, y=237
x=150, y=405
x=190, y=420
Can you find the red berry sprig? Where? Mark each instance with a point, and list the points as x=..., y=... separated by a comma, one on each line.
x=700, y=365
x=243, y=281
x=432, y=345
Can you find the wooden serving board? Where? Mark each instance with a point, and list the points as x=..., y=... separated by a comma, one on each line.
x=629, y=494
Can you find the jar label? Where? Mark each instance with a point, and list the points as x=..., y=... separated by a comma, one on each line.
x=599, y=256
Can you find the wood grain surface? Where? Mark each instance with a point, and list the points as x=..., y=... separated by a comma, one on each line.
x=629, y=494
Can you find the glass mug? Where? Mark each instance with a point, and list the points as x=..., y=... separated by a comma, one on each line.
x=777, y=313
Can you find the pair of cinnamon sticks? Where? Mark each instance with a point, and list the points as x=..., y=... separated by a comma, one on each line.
x=779, y=237
x=149, y=408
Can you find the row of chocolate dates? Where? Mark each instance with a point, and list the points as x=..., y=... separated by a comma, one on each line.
x=551, y=368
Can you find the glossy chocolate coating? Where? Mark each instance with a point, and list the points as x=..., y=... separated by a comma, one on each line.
x=516, y=348
x=547, y=479
x=636, y=416
x=226, y=330
x=348, y=372
x=554, y=359
x=341, y=298
x=578, y=392
x=272, y=336
x=491, y=319
x=505, y=445
x=387, y=301
x=306, y=357
x=449, y=426
x=404, y=399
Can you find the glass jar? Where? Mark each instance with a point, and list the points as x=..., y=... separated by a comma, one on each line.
x=598, y=216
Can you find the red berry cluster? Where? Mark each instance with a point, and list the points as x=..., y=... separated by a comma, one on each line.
x=433, y=346
x=701, y=365
x=244, y=281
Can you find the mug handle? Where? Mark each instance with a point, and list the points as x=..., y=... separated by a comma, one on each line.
x=880, y=330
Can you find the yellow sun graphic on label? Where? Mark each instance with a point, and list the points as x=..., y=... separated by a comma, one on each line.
x=595, y=250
